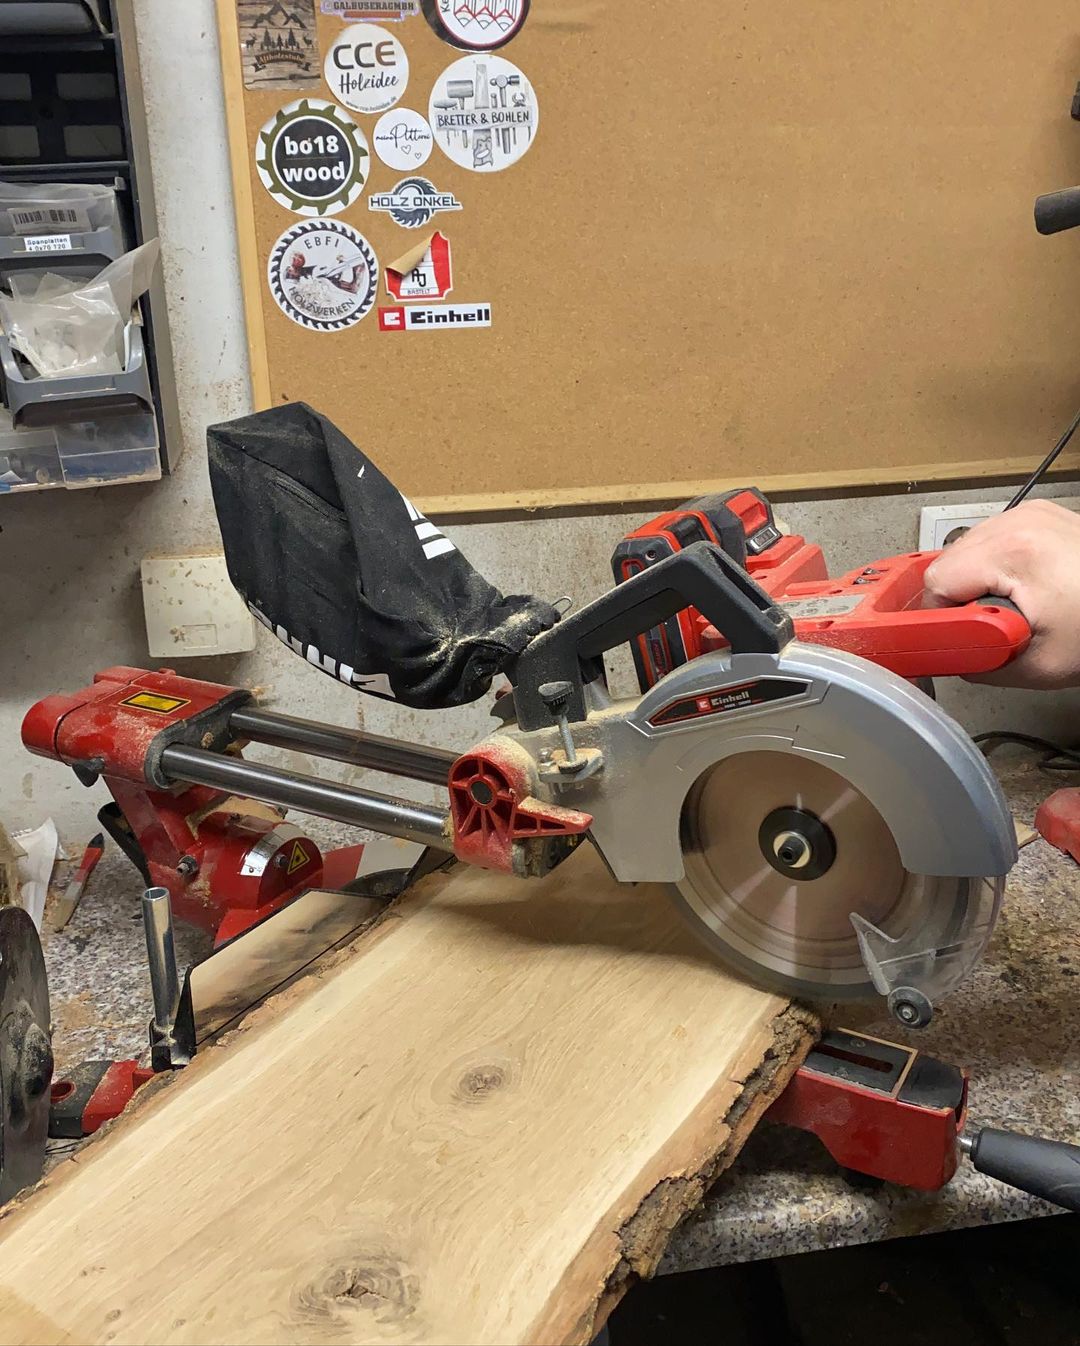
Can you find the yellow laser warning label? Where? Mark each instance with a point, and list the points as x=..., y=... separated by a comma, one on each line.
x=297, y=859
x=155, y=702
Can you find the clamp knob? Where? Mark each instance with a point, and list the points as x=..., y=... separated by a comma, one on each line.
x=556, y=697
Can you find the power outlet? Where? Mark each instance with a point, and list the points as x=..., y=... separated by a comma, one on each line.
x=941, y=524
x=191, y=608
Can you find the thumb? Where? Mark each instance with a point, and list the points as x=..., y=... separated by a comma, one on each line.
x=961, y=573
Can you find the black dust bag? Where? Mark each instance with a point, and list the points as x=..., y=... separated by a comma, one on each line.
x=333, y=559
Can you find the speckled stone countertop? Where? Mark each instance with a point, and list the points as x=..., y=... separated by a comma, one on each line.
x=1015, y=1024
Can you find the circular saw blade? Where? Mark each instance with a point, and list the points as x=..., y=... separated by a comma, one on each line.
x=26, y=1062
x=795, y=935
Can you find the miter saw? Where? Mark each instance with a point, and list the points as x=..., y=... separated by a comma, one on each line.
x=823, y=825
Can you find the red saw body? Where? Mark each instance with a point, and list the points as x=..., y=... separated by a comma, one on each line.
x=874, y=611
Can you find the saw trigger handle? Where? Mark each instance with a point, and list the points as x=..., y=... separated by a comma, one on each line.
x=701, y=577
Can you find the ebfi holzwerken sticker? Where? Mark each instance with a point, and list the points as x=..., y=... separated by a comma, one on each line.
x=279, y=44
x=483, y=112
x=323, y=274
x=367, y=68
x=312, y=158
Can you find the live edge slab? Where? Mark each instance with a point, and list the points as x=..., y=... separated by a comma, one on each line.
x=477, y=1123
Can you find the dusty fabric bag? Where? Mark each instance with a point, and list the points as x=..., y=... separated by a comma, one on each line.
x=333, y=559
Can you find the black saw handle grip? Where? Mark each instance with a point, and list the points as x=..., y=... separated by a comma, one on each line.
x=700, y=576
x=1057, y=211
x=1046, y=1168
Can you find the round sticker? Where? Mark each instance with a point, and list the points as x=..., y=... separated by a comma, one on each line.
x=312, y=158
x=476, y=25
x=402, y=138
x=323, y=274
x=367, y=68
x=484, y=113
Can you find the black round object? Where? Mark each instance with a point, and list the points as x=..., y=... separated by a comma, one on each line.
x=797, y=844
x=26, y=1060
x=481, y=791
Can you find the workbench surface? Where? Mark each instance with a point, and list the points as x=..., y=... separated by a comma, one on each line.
x=1015, y=1024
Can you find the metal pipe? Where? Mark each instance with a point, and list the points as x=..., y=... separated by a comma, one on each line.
x=161, y=955
x=308, y=794
x=353, y=746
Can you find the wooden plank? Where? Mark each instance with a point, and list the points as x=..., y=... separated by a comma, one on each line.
x=477, y=1124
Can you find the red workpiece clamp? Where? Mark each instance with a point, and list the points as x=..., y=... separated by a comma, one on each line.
x=880, y=1109
x=91, y=1094
x=1058, y=820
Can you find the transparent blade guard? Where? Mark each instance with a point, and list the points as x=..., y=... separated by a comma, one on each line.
x=939, y=953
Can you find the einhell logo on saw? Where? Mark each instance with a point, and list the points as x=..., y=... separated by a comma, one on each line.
x=434, y=318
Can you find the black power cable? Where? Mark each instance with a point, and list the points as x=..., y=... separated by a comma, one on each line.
x=1055, y=757
x=1045, y=465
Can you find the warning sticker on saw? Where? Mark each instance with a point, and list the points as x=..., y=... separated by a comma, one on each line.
x=312, y=158
x=821, y=607
x=297, y=859
x=155, y=703
x=724, y=699
x=324, y=275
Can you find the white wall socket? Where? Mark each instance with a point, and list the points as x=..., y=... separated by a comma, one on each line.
x=191, y=608
x=941, y=524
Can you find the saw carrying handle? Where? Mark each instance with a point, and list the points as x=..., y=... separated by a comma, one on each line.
x=700, y=577
x=1046, y=1168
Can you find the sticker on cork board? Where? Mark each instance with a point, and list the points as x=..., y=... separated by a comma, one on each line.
x=373, y=11
x=324, y=275
x=367, y=68
x=279, y=44
x=402, y=138
x=484, y=114
x=476, y=25
x=312, y=158
x=424, y=272
x=413, y=202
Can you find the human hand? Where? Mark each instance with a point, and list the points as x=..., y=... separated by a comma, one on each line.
x=1031, y=555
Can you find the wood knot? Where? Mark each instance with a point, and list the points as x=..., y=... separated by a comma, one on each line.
x=480, y=1082
x=379, y=1285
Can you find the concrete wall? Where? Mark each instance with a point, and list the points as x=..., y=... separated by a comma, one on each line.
x=69, y=599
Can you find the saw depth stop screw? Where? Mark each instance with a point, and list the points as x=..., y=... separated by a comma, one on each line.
x=556, y=697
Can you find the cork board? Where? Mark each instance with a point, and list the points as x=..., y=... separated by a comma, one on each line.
x=788, y=244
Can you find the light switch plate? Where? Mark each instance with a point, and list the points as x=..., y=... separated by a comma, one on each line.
x=192, y=609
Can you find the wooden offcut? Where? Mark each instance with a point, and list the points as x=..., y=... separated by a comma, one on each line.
x=476, y=1124
x=789, y=245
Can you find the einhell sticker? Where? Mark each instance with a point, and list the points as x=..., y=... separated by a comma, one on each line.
x=435, y=318
x=424, y=272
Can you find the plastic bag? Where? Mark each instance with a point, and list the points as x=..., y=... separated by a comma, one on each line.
x=66, y=331
x=55, y=207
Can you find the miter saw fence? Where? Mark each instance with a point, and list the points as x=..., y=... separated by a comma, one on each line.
x=824, y=826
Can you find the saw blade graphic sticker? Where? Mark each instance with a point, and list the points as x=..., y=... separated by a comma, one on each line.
x=367, y=68
x=324, y=275
x=413, y=202
x=402, y=138
x=476, y=25
x=424, y=272
x=484, y=113
x=312, y=158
